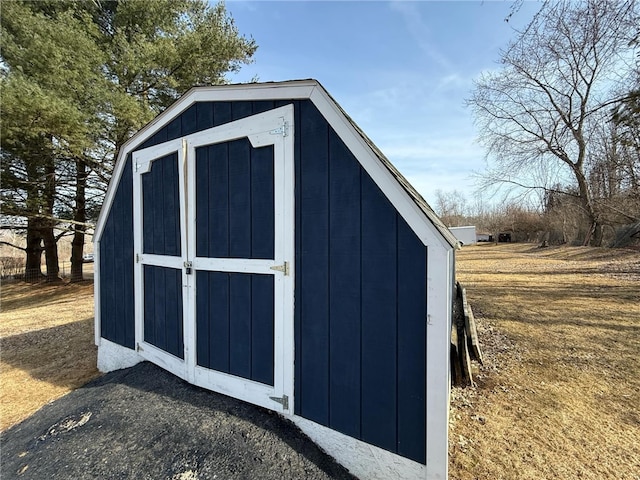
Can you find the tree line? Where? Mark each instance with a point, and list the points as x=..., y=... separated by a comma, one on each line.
x=561, y=117
x=78, y=78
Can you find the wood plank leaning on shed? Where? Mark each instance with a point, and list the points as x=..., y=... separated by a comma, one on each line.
x=464, y=340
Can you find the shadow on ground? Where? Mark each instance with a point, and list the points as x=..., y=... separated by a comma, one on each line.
x=63, y=355
x=145, y=423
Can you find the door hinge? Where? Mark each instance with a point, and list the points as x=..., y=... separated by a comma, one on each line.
x=188, y=266
x=284, y=268
x=139, y=348
x=137, y=258
x=284, y=401
x=282, y=130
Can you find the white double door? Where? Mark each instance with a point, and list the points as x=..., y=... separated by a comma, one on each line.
x=214, y=243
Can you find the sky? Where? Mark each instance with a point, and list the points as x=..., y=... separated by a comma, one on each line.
x=401, y=69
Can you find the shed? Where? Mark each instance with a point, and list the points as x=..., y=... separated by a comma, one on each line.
x=255, y=242
x=465, y=235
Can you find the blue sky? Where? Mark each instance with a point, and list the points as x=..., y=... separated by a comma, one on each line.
x=402, y=70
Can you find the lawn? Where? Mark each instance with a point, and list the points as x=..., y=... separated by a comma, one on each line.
x=557, y=398
x=559, y=394
x=46, y=345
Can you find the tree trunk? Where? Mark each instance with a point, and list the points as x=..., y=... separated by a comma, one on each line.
x=33, y=250
x=50, y=241
x=594, y=234
x=51, y=254
x=79, y=215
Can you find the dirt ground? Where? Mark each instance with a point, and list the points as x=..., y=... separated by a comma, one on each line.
x=559, y=394
x=143, y=423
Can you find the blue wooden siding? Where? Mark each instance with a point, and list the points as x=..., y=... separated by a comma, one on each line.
x=360, y=310
x=163, y=322
x=234, y=201
x=161, y=207
x=117, y=318
x=117, y=312
x=234, y=324
x=360, y=289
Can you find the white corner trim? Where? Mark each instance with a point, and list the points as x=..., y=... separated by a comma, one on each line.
x=96, y=292
x=439, y=306
x=365, y=461
x=112, y=356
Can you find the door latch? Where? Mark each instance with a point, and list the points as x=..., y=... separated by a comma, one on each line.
x=188, y=266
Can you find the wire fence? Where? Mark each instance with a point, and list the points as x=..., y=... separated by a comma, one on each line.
x=13, y=269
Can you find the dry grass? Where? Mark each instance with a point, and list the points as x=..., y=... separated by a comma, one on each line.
x=559, y=395
x=46, y=342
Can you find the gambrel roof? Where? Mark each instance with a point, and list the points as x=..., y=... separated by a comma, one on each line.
x=361, y=145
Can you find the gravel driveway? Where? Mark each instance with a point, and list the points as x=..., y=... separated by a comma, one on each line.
x=144, y=423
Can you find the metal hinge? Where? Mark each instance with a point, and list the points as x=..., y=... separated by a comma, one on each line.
x=137, y=258
x=284, y=268
x=284, y=401
x=283, y=130
x=139, y=348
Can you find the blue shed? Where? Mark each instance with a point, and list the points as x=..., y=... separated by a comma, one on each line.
x=255, y=242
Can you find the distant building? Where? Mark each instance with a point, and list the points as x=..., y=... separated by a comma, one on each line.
x=465, y=235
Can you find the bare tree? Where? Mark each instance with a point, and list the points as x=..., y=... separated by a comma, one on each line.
x=451, y=207
x=536, y=113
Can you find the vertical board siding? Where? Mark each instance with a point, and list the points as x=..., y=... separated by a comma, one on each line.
x=378, y=335
x=163, y=322
x=412, y=288
x=314, y=227
x=360, y=282
x=161, y=207
x=117, y=312
x=239, y=199
x=360, y=299
x=262, y=203
x=235, y=201
x=235, y=324
x=344, y=289
x=262, y=328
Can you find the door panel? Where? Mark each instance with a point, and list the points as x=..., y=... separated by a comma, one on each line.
x=213, y=216
x=160, y=246
x=161, y=207
x=163, y=315
x=235, y=201
x=235, y=324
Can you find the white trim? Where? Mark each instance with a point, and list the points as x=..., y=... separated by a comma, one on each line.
x=380, y=174
x=270, y=91
x=112, y=356
x=439, y=307
x=303, y=89
x=141, y=164
x=363, y=460
x=97, y=329
x=260, y=129
x=242, y=389
x=440, y=251
x=160, y=260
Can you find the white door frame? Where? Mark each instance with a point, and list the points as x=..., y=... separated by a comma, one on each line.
x=274, y=127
